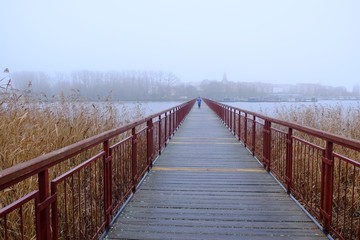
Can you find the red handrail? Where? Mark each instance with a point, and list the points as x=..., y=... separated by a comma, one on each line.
x=323, y=174
x=80, y=202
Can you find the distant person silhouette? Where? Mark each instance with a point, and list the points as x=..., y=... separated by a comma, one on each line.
x=199, y=102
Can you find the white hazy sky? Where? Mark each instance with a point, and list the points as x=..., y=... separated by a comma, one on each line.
x=279, y=41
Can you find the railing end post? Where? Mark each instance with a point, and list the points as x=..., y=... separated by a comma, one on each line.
x=327, y=177
x=43, y=208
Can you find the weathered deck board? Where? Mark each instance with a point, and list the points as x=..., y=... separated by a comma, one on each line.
x=206, y=185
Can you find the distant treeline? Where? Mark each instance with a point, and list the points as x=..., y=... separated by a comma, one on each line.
x=157, y=85
x=127, y=85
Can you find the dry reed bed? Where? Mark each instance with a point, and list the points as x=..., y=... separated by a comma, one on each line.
x=32, y=126
x=344, y=121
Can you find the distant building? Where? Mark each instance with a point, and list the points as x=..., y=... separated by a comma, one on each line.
x=282, y=88
x=224, y=78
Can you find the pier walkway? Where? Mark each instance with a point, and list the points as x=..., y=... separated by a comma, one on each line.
x=206, y=185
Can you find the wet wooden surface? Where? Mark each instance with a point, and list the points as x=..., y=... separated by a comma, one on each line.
x=206, y=185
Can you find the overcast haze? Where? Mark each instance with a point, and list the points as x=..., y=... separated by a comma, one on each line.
x=285, y=41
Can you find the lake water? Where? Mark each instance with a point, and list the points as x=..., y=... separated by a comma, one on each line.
x=149, y=108
x=268, y=108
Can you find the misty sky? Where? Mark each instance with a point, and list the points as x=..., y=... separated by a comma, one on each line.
x=279, y=41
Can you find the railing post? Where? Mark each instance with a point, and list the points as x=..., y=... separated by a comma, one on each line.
x=230, y=120
x=267, y=145
x=107, y=183
x=159, y=135
x=175, y=120
x=289, y=158
x=253, y=135
x=239, y=134
x=43, y=220
x=134, y=159
x=170, y=124
x=245, y=133
x=180, y=114
x=228, y=117
x=178, y=117
x=220, y=111
x=224, y=115
x=234, y=121
x=327, y=177
x=150, y=143
x=166, y=128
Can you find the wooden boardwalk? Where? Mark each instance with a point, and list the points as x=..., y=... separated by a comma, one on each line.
x=206, y=185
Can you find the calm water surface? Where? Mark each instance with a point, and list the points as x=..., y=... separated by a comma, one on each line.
x=148, y=108
x=268, y=108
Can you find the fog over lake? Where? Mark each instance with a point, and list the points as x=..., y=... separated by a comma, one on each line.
x=148, y=108
x=268, y=108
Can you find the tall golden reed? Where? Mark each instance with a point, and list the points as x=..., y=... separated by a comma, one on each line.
x=344, y=121
x=337, y=119
x=34, y=125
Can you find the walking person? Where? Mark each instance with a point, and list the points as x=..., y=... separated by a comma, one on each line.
x=199, y=102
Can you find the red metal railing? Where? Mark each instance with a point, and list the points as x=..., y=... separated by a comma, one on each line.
x=80, y=201
x=321, y=170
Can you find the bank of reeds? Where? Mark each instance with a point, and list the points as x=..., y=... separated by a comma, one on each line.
x=344, y=121
x=34, y=125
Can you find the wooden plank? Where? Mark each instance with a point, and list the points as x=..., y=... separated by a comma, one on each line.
x=119, y=235
x=295, y=220
x=206, y=185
